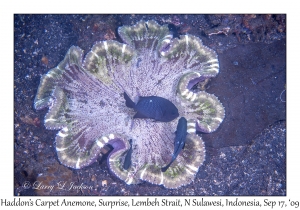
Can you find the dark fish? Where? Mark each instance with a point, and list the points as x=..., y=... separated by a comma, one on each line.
x=154, y=107
x=127, y=161
x=179, y=142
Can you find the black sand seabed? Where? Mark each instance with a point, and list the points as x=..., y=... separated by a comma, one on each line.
x=245, y=156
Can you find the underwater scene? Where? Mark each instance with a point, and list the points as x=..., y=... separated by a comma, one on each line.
x=151, y=105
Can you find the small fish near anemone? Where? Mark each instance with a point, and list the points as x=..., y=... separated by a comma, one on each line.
x=157, y=108
x=127, y=160
x=86, y=104
x=179, y=140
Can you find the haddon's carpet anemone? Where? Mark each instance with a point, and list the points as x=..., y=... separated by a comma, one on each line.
x=87, y=105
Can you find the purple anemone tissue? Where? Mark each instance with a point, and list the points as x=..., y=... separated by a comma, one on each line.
x=85, y=96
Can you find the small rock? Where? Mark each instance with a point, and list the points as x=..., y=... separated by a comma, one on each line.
x=93, y=178
x=104, y=183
